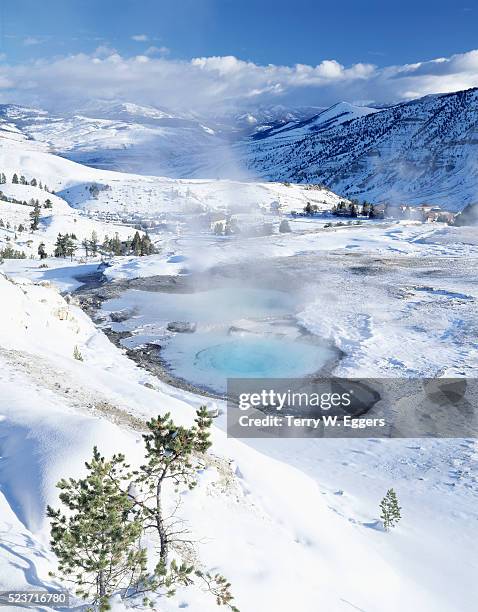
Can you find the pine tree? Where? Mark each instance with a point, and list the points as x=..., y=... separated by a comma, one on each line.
x=23, y=180
x=48, y=203
x=41, y=250
x=70, y=246
x=33, y=182
x=86, y=245
x=94, y=243
x=60, y=250
x=106, y=246
x=171, y=452
x=35, y=216
x=136, y=244
x=97, y=541
x=15, y=179
x=146, y=245
x=116, y=245
x=390, y=514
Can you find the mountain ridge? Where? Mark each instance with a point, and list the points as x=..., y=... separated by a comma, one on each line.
x=421, y=150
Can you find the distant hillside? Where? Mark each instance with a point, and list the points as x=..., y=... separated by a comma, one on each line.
x=424, y=150
x=420, y=151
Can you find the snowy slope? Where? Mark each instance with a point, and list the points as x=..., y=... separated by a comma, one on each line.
x=124, y=137
x=59, y=219
x=290, y=526
x=137, y=193
x=424, y=150
x=329, y=118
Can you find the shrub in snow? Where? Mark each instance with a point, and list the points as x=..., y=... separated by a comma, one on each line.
x=77, y=354
x=9, y=253
x=390, y=510
x=284, y=227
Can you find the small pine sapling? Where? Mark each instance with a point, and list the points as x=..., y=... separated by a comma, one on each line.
x=390, y=510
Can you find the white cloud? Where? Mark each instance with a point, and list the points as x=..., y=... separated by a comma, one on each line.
x=157, y=50
x=140, y=37
x=206, y=83
x=32, y=40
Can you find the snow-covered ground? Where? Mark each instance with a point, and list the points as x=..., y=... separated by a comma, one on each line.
x=292, y=523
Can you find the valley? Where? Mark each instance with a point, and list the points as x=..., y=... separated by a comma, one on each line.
x=386, y=298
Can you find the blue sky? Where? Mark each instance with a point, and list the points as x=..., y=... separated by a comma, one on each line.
x=263, y=31
x=220, y=54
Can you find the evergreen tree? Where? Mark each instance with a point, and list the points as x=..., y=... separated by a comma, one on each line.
x=35, y=217
x=41, y=250
x=171, y=452
x=15, y=179
x=146, y=245
x=126, y=246
x=97, y=541
x=86, y=245
x=23, y=180
x=136, y=244
x=106, y=246
x=390, y=514
x=116, y=245
x=70, y=246
x=48, y=203
x=60, y=246
x=9, y=253
x=33, y=182
x=174, y=453
x=21, y=228
x=94, y=243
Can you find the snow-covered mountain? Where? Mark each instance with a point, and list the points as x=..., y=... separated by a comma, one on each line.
x=326, y=119
x=423, y=150
x=124, y=137
x=420, y=151
x=150, y=140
